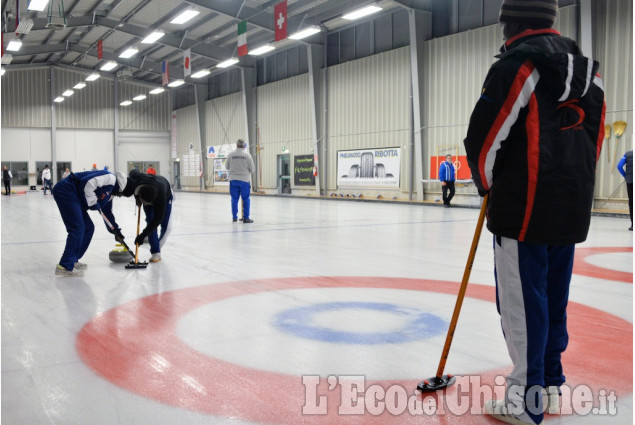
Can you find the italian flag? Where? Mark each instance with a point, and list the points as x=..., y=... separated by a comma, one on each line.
x=242, y=38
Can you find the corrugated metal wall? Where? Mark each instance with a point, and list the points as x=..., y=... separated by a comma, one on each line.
x=284, y=119
x=614, y=50
x=186, y=133
x=369, y=107
x=455, y=68
x=152, y=113
x=224, y=123
x=26, y=98
x=90, y=107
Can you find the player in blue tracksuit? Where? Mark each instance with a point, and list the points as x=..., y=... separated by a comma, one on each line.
x=446, y=177
x=75, y=195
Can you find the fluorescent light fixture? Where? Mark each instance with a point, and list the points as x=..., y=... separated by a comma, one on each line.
x=201, y=74
x=157, y=90
x=14, y=45
x=185, y=16
x=92, y=77
x=360, y=13
x=262, y=49
x=227, y=63
x=68, y=93
x=38, y=5
x=140, y=97
x=126, y=103
x=307, y=32
x=128, y=53
x=176, y=83
x=79, y=86
x=2, y=71
x=109, y=66
x=58, y=99
x=154, y=36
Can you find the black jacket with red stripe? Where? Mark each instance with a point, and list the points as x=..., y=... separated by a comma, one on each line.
x=534, y=139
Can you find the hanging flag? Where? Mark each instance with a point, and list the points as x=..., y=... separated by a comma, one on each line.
x=242, y=38
x=280, y=18
x=164, y=73
x=187, y=68
x=100, y=49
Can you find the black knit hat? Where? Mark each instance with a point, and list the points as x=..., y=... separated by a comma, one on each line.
x=537, y=13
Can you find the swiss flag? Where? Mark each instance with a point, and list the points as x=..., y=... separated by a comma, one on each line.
x=280, y=20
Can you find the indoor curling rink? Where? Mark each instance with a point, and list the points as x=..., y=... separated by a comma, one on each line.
x=320, y=312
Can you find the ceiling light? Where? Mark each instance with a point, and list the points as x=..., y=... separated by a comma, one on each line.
x=6, y=58
x=79, y=86
x=14, y=45
x=140, y=97
x=2, y=71
x=68, y=93
x=92, y=77
x=109, y=66
x=58, y=99
x=307, y=32
x=176, y=83
x=154, y=36
x=185, y=16
x=126, y=103
x=360, y=13
x=128, y=53
x=227, y=63
x=201, y=74
x=262, y=49
x=38, y=5
x=157, y=90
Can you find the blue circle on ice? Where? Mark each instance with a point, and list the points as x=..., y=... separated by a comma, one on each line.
x=414, y=324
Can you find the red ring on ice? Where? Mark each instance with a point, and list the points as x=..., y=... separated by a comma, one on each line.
x=583, y=267
x=135, y=346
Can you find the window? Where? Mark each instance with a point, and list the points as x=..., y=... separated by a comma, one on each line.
x=19, y=171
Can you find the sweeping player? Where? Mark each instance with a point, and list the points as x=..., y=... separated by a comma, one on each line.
x=533, y=143
x=155, y=194
x=75, y=195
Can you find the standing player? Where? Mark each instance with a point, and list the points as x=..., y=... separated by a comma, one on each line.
x=533, y=142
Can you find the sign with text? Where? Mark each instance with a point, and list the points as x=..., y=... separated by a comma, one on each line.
x=303, y=170
x=461, y=170
x=370, y=167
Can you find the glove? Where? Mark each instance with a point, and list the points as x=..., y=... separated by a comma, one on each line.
x=482, y=192
x=139, y=240
x=118, y=236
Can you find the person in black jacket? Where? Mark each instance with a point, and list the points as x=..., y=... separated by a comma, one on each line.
x=6, y=179
x=533, y=142
x=155, y=194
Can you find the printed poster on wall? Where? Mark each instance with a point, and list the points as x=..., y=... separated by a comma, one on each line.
x=369, y=167
x=221, y=176
x=303, y=170
x=462, y=171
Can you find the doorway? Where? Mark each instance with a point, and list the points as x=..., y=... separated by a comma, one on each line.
x=176, y=167
x=284, y=174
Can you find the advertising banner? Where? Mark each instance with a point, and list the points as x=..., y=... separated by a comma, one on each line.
x=462, y=171
x=369, y=167
x=303, y=170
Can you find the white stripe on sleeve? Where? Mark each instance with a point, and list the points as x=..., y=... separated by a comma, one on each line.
x=94, y=183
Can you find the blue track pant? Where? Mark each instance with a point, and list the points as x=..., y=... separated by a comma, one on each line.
x=239, y=189
x=532, y=291
x=78, y=224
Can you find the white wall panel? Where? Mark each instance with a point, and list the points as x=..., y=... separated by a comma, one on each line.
x=25, y=99
x=284, y=119
x=149, y=114
x=614, y=50
x=90, y=107
x=224, y=124
x=85, y=148
x=187, y=133
x=369, y=107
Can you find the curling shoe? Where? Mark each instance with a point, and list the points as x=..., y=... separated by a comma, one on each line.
x=61, y=271
x=498, y=410
x=156, y=257
x=80, y=266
